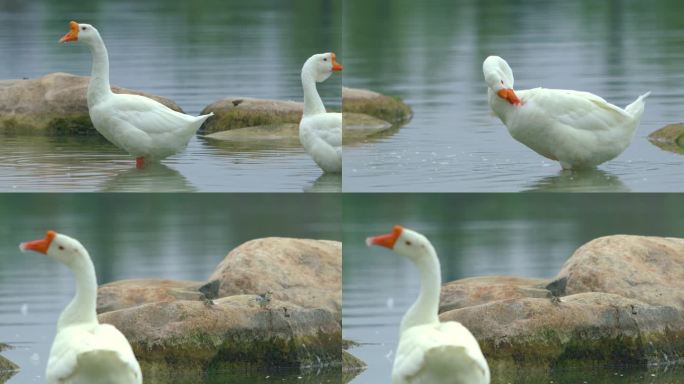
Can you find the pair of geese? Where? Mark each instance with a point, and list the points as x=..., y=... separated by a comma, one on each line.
x=429, y=352
x=148, y=130
x=577, y=129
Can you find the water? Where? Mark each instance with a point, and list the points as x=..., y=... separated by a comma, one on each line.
x=476, y=235
x=179, y=236
x=431, y=52
x=193, y=53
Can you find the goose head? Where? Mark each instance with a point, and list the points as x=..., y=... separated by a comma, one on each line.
x=499, y=78
x=404, y=242
x=321, y=66
x=56, y=246
x=81, y=32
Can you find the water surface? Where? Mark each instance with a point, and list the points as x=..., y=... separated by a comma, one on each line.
x=175, y=236
x=430, y=53
x=478, y=235
x=191, y=52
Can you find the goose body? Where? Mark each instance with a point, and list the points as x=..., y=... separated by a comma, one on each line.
x=430, y=351
x=145, y=128
x=577, y=129
x=84, y=351
x=320, y=132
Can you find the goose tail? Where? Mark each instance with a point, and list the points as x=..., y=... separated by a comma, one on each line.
x=636, y=109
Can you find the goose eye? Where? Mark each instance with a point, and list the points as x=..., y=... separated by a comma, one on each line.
x=408, y=242
x=325, y=59
x=61, y=248
x=501, y=82
x=83, y=28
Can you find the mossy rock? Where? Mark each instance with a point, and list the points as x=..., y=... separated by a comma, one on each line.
x=230, y=333
x=240, y=112
x=390, y=109
x=351, y=365
x=355, y=127
x=54, y=104
x=669, y=138
x=7, y=368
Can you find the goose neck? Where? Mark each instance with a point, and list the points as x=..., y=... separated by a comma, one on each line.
x=82, y=308
x=313, y=104
x=426, y=307
x=99, y=79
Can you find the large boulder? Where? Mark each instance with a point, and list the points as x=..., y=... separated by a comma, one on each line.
x=584, y=329
x=383, y=107
x=648, y=269
x=617, y=300
x=231, y=321
x=357, y=127
x=53, y=104
x=236, y=332
x=669, y=138
x=304, y=272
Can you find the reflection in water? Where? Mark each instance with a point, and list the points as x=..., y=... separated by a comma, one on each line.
x=529, y=235
x=589, y=180
x=129, y=236
x=154, y=177
x=430, y=53
x=327, y=182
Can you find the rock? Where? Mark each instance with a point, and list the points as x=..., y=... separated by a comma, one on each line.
x=7, y=368
x=669, y=138
x=617, y=300
x=304, y=272
x=52, y=104
x=351, y=365
x=648, y=269
x=371, y=103
x=241, y=112
x=480, y=290
x=357, y=127
x=584, y=329
x=131, y=293
x=231, y=333
x=268, y=135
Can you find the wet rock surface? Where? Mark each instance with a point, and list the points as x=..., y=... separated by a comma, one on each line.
x=617, y=300
x=272, y=302
x=7, y=368
x=54, y=104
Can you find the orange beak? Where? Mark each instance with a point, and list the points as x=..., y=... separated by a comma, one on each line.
x=40, y=246
x=336, y=66
x=73, y=33
x=509, y=95
x=387, y=240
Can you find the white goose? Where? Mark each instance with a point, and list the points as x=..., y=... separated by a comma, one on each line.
x=430, y=352
x=577, y=129
x=320, y=132
x=84, y=351
x=146, y=129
